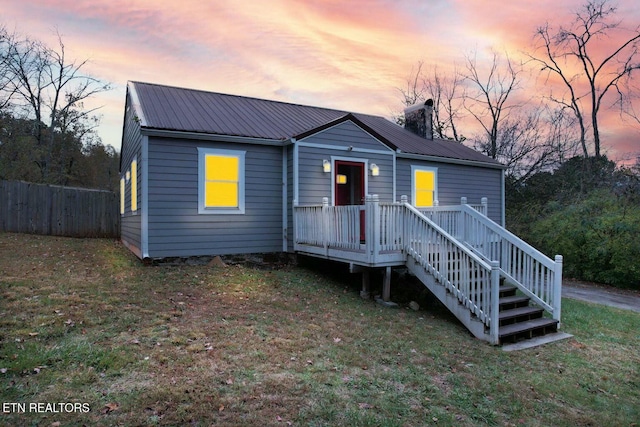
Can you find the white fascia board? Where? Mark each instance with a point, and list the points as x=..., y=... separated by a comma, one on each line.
x=162, y=133
x=384, y=146
x=135, y=103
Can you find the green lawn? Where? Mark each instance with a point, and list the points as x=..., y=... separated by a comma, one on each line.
x=84, y=322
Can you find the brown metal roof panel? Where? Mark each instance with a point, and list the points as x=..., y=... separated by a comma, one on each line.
x=408, y=142
x=199, y=111
x=189, y=110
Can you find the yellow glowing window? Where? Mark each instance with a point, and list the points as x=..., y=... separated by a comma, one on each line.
x=122, y=198
x=424, y=187
x=134, y=186
x=221, y=181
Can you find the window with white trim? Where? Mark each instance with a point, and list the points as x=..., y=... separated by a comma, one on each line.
x=424, y=186
x=221, y=181
x=134, y=185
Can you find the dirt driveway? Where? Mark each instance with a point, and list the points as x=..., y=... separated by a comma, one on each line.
x=597, y=294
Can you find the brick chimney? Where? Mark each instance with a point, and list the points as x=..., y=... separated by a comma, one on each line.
x=419, y=119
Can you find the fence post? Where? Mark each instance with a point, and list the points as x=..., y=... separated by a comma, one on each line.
x=557, y=288
x=461, y=220
x=325, y=225
x=404, y=199
x=485, y=206
x=495, y=303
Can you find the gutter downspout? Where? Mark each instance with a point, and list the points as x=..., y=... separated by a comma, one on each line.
x=503, y=202
x=285, y=203
x=144, y=219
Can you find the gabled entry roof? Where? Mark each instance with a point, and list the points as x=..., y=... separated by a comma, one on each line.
x=195, y=111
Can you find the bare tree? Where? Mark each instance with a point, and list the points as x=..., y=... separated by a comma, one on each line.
x=527, y=139
x=565, y=50
x=488, y=97
x=50, y=89
x=447, y=94
x=6, y=76
x=535, y=139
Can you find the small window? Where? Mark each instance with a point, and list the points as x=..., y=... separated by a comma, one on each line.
x=134, y=185
x=424, y=187
x=221, y=181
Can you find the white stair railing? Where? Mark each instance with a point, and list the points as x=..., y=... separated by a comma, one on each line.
x=468, y=277
x=536, y=275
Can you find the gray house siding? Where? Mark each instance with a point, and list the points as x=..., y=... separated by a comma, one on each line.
x=346, y=134
x=314, y=184
x=176, y=228
x=455, y=181
x=344, y=141
x=130, y=222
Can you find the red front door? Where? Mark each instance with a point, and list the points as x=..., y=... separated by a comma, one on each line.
x=349, y=187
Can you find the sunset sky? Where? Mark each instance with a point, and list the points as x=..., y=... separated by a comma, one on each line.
x=349, y=55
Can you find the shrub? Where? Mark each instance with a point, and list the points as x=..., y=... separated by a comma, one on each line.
x=598, y=237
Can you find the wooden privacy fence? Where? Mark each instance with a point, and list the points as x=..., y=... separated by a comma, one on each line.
x=58, y=211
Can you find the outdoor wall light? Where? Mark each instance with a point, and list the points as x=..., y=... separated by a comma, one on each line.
x=326, y=166
x=375, y=170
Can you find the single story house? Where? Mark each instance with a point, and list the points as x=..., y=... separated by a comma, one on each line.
x=206, y=173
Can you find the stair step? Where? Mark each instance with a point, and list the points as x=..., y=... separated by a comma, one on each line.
x=528, y=326
x=504, y=292
x=527, y=311
x=514, y=301
x=507, y=290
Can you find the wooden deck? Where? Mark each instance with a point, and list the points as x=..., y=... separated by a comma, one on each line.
x=456, y=251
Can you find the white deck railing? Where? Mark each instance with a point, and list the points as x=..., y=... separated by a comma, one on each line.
x=456, y=244
x=449, y=218
x=340, y=232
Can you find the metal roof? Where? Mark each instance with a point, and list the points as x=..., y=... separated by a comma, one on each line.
x=196, y=111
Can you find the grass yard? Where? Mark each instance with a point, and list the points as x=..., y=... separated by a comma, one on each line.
x=83, y=322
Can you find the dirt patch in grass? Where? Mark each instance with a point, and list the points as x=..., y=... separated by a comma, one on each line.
x=83, y=321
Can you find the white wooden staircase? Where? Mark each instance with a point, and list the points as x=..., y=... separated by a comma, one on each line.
x=506, y=290
x=498, y=286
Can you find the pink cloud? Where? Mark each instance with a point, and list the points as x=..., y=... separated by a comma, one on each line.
x=349, y=55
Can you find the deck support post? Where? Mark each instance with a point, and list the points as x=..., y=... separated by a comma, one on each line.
x=386, y=285
x=385, y=299
x=365, y=292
